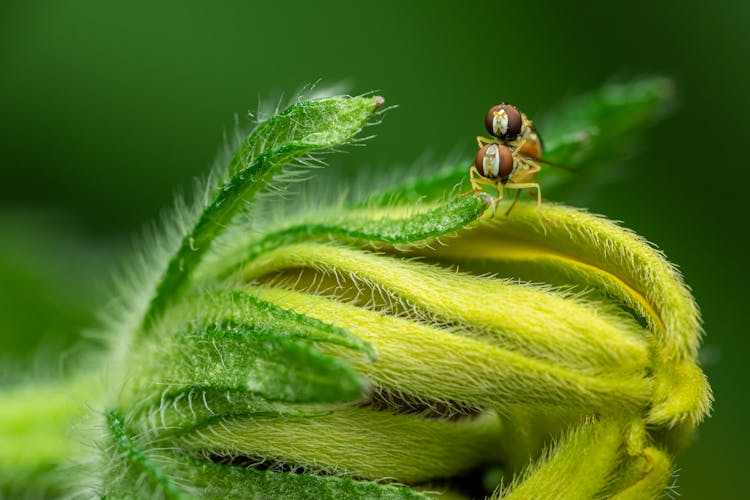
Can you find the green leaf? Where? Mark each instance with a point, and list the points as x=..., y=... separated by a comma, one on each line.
x=651, y=473
x=579, y=467
x=146, y=468
x=240, y=310
x=301, y=129
x=594, y=131
x=451, y=178
x=216, y=481
x=268, y=365
x=358, y=442
x=215, y=372
x=185, y=409
x=392, y=226
x=137, y=463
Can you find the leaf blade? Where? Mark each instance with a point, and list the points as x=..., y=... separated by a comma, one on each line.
x=301, y=129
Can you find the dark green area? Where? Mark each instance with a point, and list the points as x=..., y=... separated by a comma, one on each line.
x=52, y=284
x=106, y=108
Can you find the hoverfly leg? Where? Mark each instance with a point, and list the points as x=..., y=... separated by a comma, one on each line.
x=496, y=201
x=533, y=185
x=481, y=141
x=533, y=167
x=476, y=179
x=473, y=174
x=515, y=200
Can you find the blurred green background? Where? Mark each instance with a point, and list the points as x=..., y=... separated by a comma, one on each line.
x=107, y=108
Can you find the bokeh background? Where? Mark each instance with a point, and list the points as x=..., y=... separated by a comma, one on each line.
x=107, y=108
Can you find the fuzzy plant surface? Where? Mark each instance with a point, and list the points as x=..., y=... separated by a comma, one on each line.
x=397, y=343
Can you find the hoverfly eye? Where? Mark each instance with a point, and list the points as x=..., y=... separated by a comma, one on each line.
x=494, y=161
x=504, y=122
x=506, y=161
x=483, y=163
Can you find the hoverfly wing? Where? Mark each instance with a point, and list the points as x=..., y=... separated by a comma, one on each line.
x=550, y=163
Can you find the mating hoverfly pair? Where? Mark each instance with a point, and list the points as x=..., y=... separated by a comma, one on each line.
x=511, y=158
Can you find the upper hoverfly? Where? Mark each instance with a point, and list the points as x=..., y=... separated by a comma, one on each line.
x=511, y=157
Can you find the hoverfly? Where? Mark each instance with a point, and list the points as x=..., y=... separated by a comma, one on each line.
x=511, y=158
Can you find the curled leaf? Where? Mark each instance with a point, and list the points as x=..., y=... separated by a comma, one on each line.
x=589, y=452
x=301, y=129
x=359, y=442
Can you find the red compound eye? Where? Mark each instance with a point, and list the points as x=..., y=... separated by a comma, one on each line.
x=504, y=122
